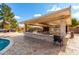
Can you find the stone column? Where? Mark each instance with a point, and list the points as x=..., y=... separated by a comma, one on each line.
x=62, y=28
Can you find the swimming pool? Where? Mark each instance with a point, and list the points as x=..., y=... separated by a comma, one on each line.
x=5, y=44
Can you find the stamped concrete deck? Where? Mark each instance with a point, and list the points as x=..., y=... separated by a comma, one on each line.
x=30, y=46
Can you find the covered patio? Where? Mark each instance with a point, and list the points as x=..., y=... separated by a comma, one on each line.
x=57, y=22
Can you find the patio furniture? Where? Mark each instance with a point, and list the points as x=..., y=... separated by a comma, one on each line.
x=58, y=40
x=72, y=34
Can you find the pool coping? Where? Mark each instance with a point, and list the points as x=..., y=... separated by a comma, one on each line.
x=6, y=48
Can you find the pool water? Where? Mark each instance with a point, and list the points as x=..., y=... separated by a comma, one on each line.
x=3, y=43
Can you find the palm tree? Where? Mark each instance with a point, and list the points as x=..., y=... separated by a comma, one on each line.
x=7, y=16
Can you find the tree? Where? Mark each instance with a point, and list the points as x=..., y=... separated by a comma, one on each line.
x=7, y=16
x=14, y=23
x=28, y=27
x=74, y=22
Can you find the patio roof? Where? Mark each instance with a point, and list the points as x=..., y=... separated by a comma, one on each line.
x=52, y=18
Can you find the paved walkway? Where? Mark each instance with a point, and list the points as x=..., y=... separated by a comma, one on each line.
x=27, y=46
x=73, y=44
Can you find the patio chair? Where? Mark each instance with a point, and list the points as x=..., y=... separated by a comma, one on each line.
x=72, y=34
x=58, y=40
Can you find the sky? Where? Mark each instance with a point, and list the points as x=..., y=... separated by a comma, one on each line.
x=26, y=11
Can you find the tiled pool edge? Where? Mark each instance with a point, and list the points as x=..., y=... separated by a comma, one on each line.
x=6, y=48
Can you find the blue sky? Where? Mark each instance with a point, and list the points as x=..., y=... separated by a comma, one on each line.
x=26, y=11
